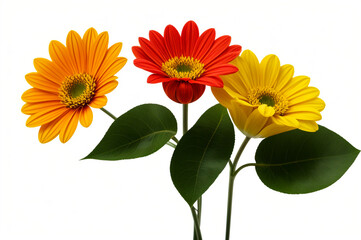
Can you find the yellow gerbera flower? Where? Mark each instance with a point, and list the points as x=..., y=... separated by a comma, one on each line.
x=265, y=99
x=79, y=76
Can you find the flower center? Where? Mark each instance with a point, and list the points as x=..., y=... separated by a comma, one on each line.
x=183, y=67
x=270, y=97
x=77, y=90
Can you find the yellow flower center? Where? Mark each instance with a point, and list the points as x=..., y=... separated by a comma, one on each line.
x=270, y=97
x=183, y=67
x=77, y=90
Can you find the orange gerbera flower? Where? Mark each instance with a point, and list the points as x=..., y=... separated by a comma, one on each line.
x=79, y=76
x=186, y=63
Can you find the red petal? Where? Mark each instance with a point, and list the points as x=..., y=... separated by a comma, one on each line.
x=147, y=65
x=170, y=89
x=190, y=35
x=204, y=43
x=219, y=46
x=156, y=78
x=152, y=53
x=139, y=53
x=157, y=42
x=228, y=55
x=173, y=41
x=184, y=92
x=223, y=69
x=212, y=81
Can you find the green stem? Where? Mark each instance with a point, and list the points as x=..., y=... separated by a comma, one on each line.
x=109, y=114
x=199, y=208
x=232, y=177
x=185, y=118
x=171, y=144
x=175, y=139
x=197, y=229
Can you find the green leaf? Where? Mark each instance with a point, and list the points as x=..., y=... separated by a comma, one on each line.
x=139, y=132
x=303, y=162
x=202, y=153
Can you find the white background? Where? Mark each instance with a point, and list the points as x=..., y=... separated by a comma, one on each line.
x=47, y=193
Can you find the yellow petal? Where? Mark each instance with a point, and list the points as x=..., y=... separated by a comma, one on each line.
x=38, y=81
x=98, y=102
x=86, y=116
x=286, y=121
x=314, y=116
x=270, y=67
x=69, y=124
x=308, y=126
x=273, y=129
x=316, y=103
x=251, y=67
x=255, y=123
x=239, y=114
x=222, y=96
x=266, y=111
x=284, y=76
x=295, y=85
x=305, y=94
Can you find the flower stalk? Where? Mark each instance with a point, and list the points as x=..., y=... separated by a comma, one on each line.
x=232, y=176
x=108, y=113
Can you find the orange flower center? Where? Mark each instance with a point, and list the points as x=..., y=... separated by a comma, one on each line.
x=268, y=96
x=183, y=67
x=77, y=90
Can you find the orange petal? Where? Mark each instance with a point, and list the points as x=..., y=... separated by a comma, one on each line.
x=86, y=116
x=98, y=102
x=115, y=67
x=49, y=70
x=69, y=124
x=45, y=116
x=97, y=53
x=89, y=38
x=59, y=54
x=110, y=57
x=76, y=51
x=34, y=95
x=32, y=108
x=106, y=88
x=50, y=130
x=38, y=81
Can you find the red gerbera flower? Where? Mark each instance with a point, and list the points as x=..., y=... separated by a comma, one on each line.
x=186, y=63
